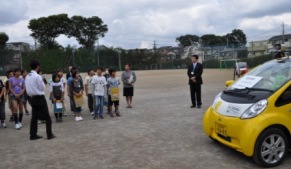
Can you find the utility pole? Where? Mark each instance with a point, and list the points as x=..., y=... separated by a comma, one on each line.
x=119, y=60
x=252, y=48
x=98, y=52
x=283, y=32
x=118, y=50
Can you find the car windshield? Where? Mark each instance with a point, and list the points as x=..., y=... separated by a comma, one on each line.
x=242, y=64
x=270, y=76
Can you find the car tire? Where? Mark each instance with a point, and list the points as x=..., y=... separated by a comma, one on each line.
x=271, y=148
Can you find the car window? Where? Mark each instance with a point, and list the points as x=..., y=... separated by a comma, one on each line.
x=241, y=65
x=285, y=98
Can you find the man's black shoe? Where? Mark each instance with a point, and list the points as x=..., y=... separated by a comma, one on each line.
x=193, y=106
x=35, y=137
x=51, y=137
x=199, y=107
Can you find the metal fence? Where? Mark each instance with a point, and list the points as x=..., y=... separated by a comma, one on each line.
x=9, y=60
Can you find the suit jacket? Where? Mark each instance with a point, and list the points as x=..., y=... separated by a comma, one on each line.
x=197, y=73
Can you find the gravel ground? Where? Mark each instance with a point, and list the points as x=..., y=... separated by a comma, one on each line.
x=159, y=132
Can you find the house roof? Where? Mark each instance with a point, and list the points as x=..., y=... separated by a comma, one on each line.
x=17, y=43
x=279, y=37
x=164, y=47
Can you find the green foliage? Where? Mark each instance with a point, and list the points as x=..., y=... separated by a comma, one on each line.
x=187, y=40
x=252, y=62
x=46, y=29
x=87, y=30
x=5, y=60
x=3, y=39
x=236, y=37
x=212, y=40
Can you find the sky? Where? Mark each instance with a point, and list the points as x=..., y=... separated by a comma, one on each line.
x=138, y=23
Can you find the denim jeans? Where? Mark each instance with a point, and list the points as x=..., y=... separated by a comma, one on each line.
x=99, y=105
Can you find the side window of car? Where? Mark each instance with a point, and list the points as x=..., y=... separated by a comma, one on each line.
x=285, y=98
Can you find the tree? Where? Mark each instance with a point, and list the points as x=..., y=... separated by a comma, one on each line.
x=3, y=39
x=46, y=29
x=237, y=38
x=87, y=30
x=211, y=40
x=187, y=40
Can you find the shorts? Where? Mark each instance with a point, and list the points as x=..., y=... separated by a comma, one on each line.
x=128, y=91
x=20, y=99
x=25, y=97
x=110, y=102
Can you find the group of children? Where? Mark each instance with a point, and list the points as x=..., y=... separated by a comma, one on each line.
x=13, y=91
x=101, y=90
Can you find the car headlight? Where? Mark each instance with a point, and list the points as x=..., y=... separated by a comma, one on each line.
x=216, y=99
x=255, y=109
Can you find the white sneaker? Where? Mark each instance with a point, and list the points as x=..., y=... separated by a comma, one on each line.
x=80, y=118
x=20, y=125
x=3, y=125
x=17, y=126
x=92, y=113
x=77, y=118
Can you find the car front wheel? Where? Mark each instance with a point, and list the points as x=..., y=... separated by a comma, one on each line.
x=271, y=148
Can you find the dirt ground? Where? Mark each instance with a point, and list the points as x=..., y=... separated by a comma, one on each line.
x=160, y=132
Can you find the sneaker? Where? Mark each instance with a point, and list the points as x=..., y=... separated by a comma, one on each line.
x=65, y=114
x=77, y=118
x=20, y=125
x=92, y=113
x=80, y=118
x=111, y=114
x=3, y=125
x=17, y=126
x=117, y=113
x=26, y=112
x=101, y=117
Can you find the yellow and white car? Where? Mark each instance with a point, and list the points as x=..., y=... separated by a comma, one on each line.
x=253, y=115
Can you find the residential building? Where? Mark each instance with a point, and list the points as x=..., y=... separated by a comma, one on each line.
x=286, y=44
x=258, y=48
x=169, y=53
x=18, y=48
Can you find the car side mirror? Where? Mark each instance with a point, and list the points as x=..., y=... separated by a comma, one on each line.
x=229, y=82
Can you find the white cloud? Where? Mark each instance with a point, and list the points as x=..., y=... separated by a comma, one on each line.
x=12, y=11
x=266, y=22
x=135, y=24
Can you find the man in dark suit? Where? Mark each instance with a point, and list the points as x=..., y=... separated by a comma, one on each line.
x=194, y=73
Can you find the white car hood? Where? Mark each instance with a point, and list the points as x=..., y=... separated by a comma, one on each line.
x=229, y=109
